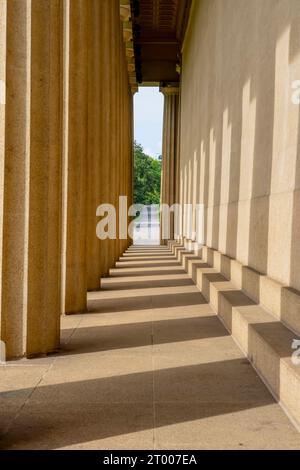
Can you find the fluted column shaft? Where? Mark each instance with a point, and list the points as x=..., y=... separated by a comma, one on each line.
x=44, y=236
x=170, y=152
x=95, y=69
x=75, y=155
x=15, y=23
x=116, y=146
x=66, y=146
x=115, y=112
x=30, y=190
x=106, y=183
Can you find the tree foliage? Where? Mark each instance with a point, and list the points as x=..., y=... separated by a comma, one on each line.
x=147, y=177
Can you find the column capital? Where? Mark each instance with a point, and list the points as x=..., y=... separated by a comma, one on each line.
x=126, y=19
x=169, y=90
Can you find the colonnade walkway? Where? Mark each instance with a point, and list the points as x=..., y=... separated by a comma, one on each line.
x=149, y=366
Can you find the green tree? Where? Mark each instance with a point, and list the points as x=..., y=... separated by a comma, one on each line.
x=147, y=177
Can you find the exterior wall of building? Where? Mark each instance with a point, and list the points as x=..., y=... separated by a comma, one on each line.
x=240, y=131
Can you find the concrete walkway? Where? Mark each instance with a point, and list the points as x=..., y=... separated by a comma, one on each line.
x=147, y=226
x=149, y=367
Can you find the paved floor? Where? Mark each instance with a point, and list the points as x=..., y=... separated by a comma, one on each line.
x=150, y=366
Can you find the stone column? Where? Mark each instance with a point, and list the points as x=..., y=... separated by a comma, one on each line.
x=44, y=222
x=106, y=182
x=128, y=87
x=15, y=66
x=75, y=155
x=170, y=151
x=126, y=113
x=129, y=136
x=95, y=68
x=115, y=142
x=130, y=139
x=115, y=116
x=110, y=123
x=123, y=70
x=30, y=189
x=177, y=157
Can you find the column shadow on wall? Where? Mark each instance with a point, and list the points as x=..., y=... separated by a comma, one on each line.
x=295, y=236
x=262, y=165
x=235, y=117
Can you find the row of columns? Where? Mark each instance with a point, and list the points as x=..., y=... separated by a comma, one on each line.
x=66, y=147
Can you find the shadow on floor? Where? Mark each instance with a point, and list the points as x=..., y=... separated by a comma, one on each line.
x=65, y=414
x=146, y=302
x=134, y=335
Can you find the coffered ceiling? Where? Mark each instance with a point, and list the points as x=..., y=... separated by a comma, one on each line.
x=158, y=30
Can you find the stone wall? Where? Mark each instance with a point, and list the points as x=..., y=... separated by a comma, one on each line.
x=240, y=131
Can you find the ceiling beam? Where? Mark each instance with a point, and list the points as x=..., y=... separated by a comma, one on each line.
x=158, y=29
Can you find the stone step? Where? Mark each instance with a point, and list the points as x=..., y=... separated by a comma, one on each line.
x=247, y=304
x=281, y=301
x=145, y=259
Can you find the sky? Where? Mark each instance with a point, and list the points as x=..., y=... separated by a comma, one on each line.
x=148, y=118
